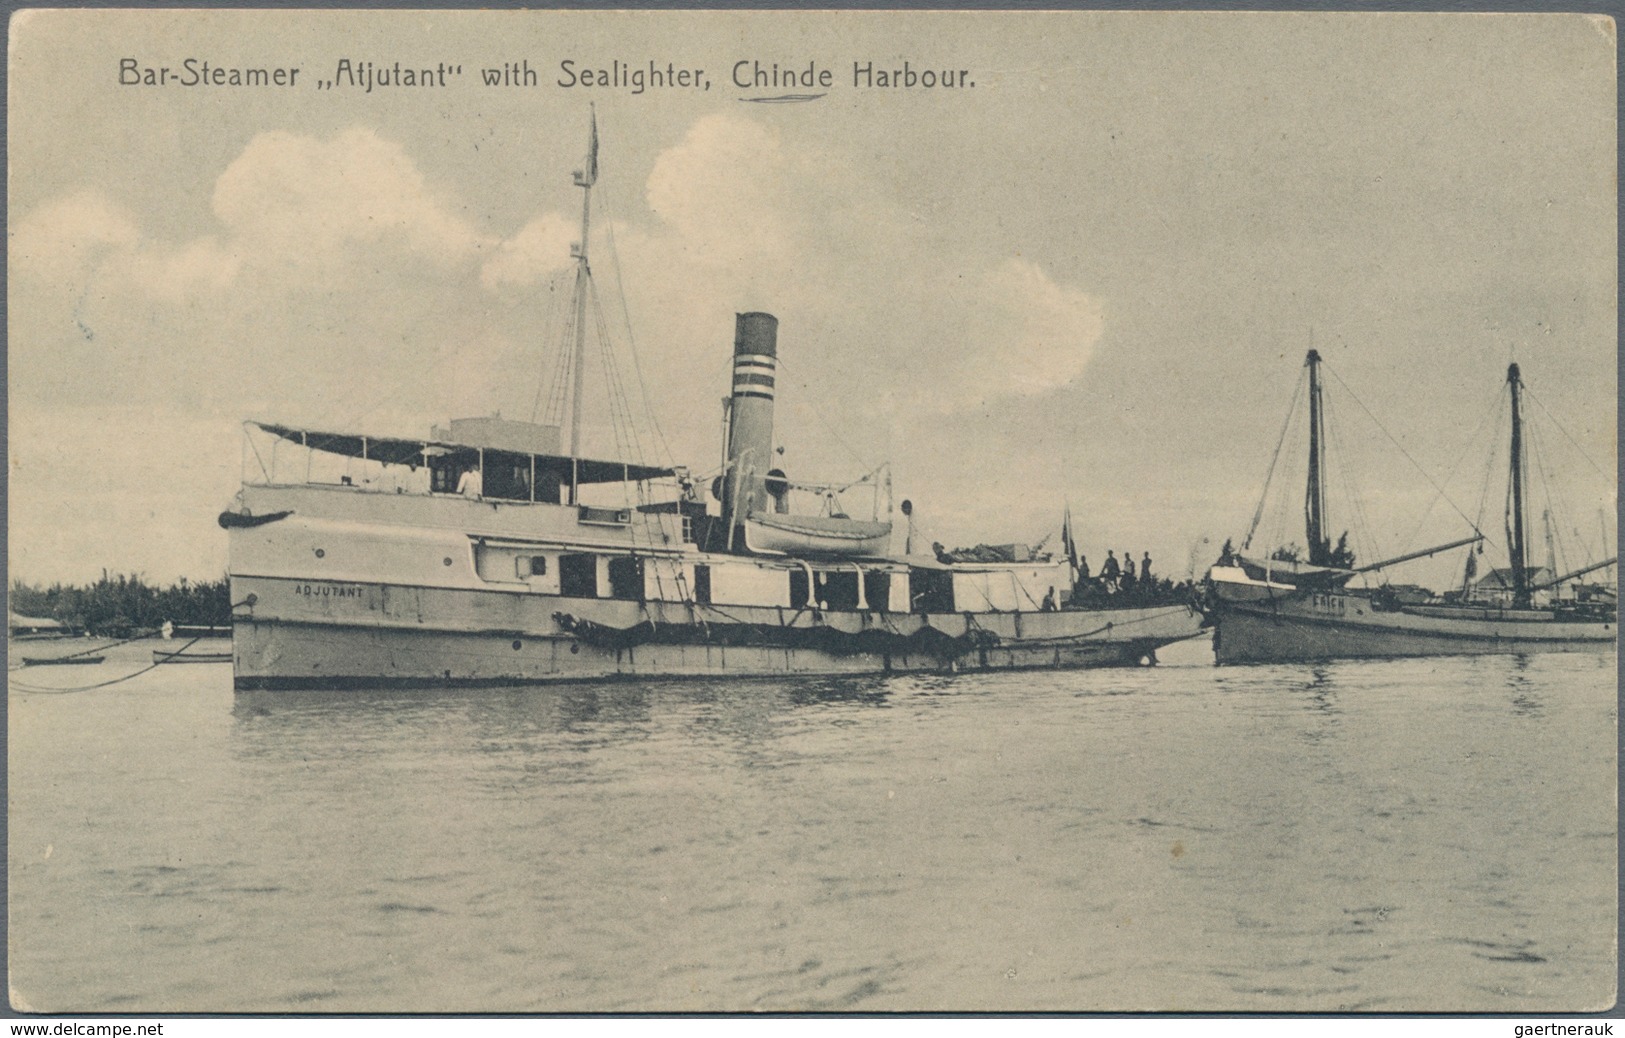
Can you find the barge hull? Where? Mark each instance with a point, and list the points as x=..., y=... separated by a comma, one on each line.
x=1284, y=635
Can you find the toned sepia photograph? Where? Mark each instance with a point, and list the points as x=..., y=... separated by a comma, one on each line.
x=801, y=512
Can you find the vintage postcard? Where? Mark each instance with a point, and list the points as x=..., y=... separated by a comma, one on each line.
x=865, y=511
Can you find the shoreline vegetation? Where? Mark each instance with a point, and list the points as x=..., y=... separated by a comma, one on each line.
x=122, y=605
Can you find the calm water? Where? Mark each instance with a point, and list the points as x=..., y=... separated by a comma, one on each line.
x=1417, y=835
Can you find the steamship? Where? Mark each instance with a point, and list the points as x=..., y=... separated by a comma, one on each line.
x=492, y=552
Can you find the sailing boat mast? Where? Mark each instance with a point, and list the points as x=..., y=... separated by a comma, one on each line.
x=1314, y=505
x=1515, y=536
x=584, y=179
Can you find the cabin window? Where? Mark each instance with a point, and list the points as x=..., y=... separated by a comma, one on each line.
x=443, y=474
x=798, y=589
x=931, y=591
x=877, y=590
x=549, y=483
x=506, y=476
x=605, y=516
x=702, y=584
x=838, y=591
x=578, y=576
x=531, y=565
x=446, y=470
x=626, y=578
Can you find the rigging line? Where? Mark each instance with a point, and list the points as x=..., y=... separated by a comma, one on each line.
x=1362, y=530
x=1556, y=492
x=618, y=381
x=1493, y=412
x=819, y=414
x=549, y=316
x=1395, y=442
x=621, y=407
x=41, y=690
x=611, y=394
x=1368, y=532
x=1258, y=513
x=565, y=368
x=612, y=390
x=1564, y=431
x=248, y=438
x=626, y=317
x=1555, y=500
x=564, y=363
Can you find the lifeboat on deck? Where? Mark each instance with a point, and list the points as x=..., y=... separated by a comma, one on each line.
x=773, y=533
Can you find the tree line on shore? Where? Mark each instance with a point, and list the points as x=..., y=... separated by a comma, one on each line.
x=122, y=604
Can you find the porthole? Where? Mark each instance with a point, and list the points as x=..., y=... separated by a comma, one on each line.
x=574, y=648
x=447, y=560
x=320, y=554
x=517, y=645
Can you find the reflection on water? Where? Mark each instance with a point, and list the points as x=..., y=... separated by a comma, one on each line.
x=1526, y=696
x=1366, y=836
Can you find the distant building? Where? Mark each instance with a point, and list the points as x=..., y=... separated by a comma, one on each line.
x=35, y=626
x=1496, y=586
x=1410, y=594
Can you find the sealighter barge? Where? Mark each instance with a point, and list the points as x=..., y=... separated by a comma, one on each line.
x=493, y=553
x=1277, y=610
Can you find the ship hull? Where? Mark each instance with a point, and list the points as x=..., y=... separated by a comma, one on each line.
x=1254, y=627
x=347, y=588
x=378, y=635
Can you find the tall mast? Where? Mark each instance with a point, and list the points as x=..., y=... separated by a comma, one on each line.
x=1515, y=536
x=1314, y=504
x=584, y=179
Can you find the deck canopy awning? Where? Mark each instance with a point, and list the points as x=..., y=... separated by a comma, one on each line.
x=395, y=451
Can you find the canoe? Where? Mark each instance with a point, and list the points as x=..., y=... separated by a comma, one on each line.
x=167, y=656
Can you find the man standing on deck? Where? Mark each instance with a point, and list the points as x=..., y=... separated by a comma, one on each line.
x=470, y=484
x=1109, y=571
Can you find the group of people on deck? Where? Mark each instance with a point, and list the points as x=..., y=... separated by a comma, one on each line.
x=1116, y=577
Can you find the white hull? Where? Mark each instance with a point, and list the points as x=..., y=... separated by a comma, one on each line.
x=362, y=590
x=394, y=635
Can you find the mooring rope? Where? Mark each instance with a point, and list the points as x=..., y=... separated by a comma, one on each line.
x=153, y=633
x=41, y=690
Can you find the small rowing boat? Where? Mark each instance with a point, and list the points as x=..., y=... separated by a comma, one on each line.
x=211, y=656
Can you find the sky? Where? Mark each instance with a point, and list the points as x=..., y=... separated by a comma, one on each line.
x=1087, y=281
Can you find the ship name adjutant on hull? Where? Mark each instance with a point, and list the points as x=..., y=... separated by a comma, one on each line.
x=328, y=590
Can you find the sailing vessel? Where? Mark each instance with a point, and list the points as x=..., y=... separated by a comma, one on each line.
x=1278, y=610
x=475, y=557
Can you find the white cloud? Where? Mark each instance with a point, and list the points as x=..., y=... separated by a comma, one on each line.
x=1025, y=336
x=726, y=196
x=69, y=236
x=541, y=247
x=295, y=200
x=869, y=295
x=178, y=274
